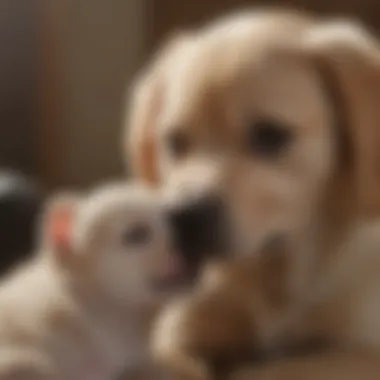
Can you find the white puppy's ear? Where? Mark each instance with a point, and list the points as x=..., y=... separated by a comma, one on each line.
x=58, y=226
x=351, y=57
x=145, y=104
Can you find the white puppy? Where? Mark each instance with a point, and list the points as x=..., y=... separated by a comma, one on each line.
x=82, y=308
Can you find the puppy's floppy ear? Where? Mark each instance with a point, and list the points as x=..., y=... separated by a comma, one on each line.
x=352, y=57
x=58, y=225
x=145, y=104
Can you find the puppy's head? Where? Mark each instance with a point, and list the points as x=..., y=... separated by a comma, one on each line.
x=115, y=239
x=257, y=125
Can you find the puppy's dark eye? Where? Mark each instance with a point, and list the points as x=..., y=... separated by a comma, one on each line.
x=178, y=144
x=137, y=235
x=268, y=138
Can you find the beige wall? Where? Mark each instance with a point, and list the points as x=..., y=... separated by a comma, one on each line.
x=18, y=47
x=101, y=45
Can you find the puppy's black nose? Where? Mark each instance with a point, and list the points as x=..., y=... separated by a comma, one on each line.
x=199, y=229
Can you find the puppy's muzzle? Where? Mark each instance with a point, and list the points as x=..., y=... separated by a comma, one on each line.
x=199, y=229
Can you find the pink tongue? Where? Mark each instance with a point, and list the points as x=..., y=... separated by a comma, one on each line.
x=174, y=273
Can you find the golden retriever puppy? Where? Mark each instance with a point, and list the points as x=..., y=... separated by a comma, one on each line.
x=82, y=308
x=266, y=122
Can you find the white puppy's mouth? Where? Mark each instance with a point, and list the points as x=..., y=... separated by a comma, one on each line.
x=174, y=275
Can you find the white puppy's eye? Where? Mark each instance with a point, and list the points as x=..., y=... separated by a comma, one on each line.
x=268, y=139
x=138, y=234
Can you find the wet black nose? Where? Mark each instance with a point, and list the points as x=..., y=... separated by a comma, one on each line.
x=199, y=230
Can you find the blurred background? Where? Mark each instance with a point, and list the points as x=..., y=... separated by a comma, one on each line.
x=65, y=65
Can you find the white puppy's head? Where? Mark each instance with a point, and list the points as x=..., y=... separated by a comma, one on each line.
x=116, y=240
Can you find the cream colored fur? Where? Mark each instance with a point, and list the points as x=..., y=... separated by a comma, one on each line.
x=320, y=78
x=83, y=310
